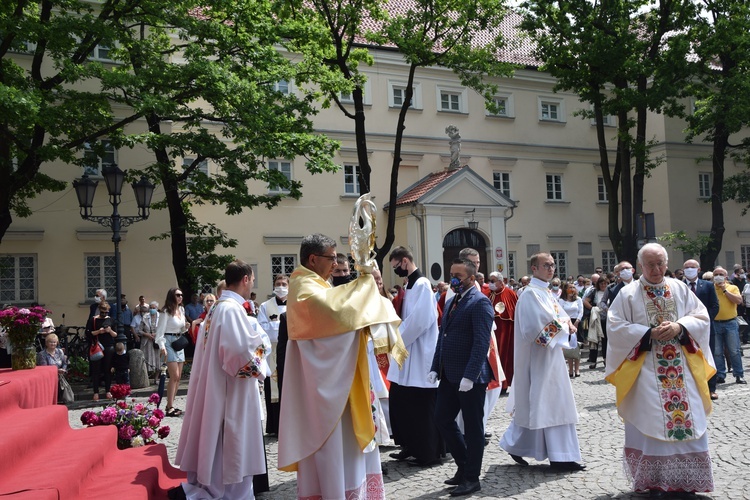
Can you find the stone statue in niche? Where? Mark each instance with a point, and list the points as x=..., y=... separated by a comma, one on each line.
x=455, y=145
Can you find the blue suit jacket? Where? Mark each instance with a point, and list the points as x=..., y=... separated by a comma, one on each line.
x=706, y=292
x=464, y=339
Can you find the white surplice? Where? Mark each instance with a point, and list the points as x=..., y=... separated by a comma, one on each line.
x=666, y=444
x=271, y=327
x=221, y=442
x=541, y=397
x=419, y=331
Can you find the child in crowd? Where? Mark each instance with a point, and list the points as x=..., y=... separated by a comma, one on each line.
x=121, y=364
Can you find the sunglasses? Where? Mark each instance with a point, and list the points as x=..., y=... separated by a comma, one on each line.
x=178, y=295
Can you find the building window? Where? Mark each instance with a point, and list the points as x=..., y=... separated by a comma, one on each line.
x=101, y=53
x=100, y=273
x=97, y=156
x=503, y=106
x=397, y=95
x=283, y=166
x=745, y=257
x=561, y=261
x=17, y=278
x=511, y=272
x=704, y=184
x=551, y=110
x=609, y=260
x=351, y=179
x=501, y=181
x=346, y=97
x=282, y=264
x=554, y=187
x=202, y=167
x=451, y=99
x=601, y=190
x=282, y=87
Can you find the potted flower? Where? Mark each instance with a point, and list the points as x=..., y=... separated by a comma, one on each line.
x=138, y=423
x=21, y=327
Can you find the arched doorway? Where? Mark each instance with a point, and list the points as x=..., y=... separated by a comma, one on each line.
x=457, y=240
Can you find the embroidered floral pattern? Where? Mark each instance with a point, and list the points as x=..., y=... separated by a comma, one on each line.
x=660, y=306
x=681, y=472
x=372, y=488
x=670, y=374
x=253, y=367
x=548, y=333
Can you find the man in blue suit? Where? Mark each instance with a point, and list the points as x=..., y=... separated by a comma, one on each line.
x=706, y=293
x=460, y=362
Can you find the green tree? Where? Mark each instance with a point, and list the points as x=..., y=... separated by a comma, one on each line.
x=204, y=80
x=722, y=107
x=427, y=33
x=625, y=58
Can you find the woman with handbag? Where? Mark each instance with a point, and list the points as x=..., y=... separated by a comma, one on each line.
x=171, y=338
x=147, y=333
x=54, y=356
x=101, y=335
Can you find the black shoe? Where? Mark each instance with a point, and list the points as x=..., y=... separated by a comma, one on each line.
x=455, y=480
x=657, y=494
x=566, y=466
x=503, y=391
x=720, y=380
x=519, y=460
x=466, y=488
x=400, y=455
x=424, y=463
x=488, y=434
x=176, y=493
x=741, y=380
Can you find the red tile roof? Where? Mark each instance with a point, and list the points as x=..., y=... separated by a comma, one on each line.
x=415, y=192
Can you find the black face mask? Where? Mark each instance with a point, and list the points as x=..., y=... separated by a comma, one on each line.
x=341, y=280
x=401, y=272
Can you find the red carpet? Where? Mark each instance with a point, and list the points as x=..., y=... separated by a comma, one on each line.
x=42, y=457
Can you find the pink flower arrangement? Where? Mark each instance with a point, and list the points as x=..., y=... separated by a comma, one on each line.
x=137, y=423
x=22, y=324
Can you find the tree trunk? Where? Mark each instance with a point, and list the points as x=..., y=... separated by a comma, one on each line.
x=711, y=254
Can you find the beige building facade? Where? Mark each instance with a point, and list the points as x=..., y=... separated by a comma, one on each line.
x=529, y=181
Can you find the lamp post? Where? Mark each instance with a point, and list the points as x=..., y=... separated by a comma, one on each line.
x=114, y=179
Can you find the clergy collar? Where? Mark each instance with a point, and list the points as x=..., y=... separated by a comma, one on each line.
x=646, y=282
x=538, y=283
x=413, y=277
x=279, y=301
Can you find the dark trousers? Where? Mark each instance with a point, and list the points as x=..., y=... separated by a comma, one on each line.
x=412, y=411
x=102, y=370
x=272, y=409
x=468, y=448
x=594, y=352
x=712, y=344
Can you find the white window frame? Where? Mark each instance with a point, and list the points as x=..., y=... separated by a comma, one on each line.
x=507, y=98
x=601, y=190
x=283, y=86
x=21, y=293
x=283, y=166
x=557, y=192
x=545, y=110
x=501, y=182
x=458, y=99
x=106, y=281
x=351, y=179
x=705, y=184
x=282, y=264
x=416, y=100
x=96, y=53
x=609, y=260
x=348, y=97
x=561, y=261
x=88, y=151
x=745, y=257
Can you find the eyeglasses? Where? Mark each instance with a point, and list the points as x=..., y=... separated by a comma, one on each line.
x=549, y=266
x=326, y=257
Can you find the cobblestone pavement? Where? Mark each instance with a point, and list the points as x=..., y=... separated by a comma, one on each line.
x=601, y=436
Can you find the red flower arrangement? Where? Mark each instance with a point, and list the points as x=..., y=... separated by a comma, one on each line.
x=137, y=424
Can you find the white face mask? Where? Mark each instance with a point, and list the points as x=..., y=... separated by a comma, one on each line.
x=493, y=286
x=626, y=274
x=97, y=299
x=281, y=291
x=691, y=273
x=719, y=280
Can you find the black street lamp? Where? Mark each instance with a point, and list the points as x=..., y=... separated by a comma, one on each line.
x=114, y=179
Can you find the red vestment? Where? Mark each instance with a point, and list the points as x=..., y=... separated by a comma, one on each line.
x=504, y=331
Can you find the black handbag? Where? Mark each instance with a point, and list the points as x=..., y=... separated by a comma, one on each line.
x=181, y=343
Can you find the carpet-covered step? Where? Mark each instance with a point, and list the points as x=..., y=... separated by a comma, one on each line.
x=138, y=473
x=30, y=431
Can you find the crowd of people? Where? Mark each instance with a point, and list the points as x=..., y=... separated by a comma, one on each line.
x=346, y=366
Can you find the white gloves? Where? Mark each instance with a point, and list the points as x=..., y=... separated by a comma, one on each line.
x=466, y=385
x=432, y=377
